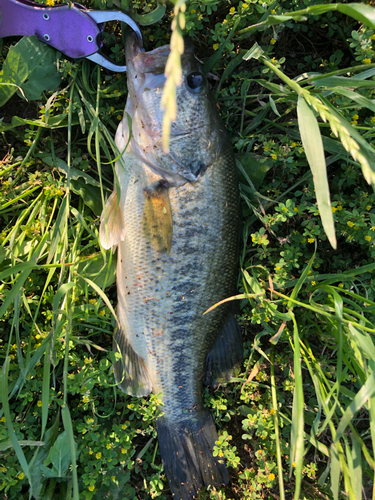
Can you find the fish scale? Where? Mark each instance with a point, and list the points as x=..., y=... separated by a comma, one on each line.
x=176, y=228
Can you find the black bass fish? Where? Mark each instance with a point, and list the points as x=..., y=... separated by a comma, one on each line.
x=176, y=225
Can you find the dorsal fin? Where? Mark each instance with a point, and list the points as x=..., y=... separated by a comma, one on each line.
x=224, y=361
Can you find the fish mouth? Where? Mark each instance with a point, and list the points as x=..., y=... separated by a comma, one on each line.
x=145, y=71
x=139, y=62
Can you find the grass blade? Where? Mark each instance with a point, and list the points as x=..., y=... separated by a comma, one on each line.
x=359, y=99
x=15, y=290
x=297, y=432
x=218, y=53
x=361, y=12
x=102, y=295
x=4, y=445
x=60, y=224
x=302, y=278
x=235, y=297
x=335, y=472
x=68, y=426
x=371, y=405
x=8, y=419
x=318, y=445
x=45, y=388
x=60, y=294
x=228, y=70
x=363, y=342
x=361, y=150
x=151, y=17
x=312, y=142
x=355, y=467
x=362, y=396
x=277, y=436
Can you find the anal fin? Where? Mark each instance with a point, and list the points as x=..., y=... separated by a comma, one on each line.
x=111, y=230
x=225, y=358
x=130, y=370
x=157, y=216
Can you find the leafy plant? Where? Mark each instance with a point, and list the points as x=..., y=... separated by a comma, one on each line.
x=294, y=83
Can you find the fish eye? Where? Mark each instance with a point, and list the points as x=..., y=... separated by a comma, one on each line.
x=195, y=82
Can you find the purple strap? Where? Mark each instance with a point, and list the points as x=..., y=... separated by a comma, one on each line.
x=72, y=31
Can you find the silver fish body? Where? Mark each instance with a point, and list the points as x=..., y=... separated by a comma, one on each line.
x=176, y=226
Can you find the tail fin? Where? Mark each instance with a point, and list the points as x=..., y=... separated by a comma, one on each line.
x=186, y=449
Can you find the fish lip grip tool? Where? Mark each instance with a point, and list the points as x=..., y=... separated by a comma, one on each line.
x=73, y=30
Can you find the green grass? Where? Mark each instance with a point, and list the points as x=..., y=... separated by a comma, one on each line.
x=298, y=422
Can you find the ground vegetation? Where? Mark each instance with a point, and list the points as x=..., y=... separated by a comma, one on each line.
x=294, y=82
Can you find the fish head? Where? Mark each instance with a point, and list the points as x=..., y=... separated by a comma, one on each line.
x=197, y=134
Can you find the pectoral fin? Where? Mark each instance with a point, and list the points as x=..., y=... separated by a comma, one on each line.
x=111, y=230
x=157, y=217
